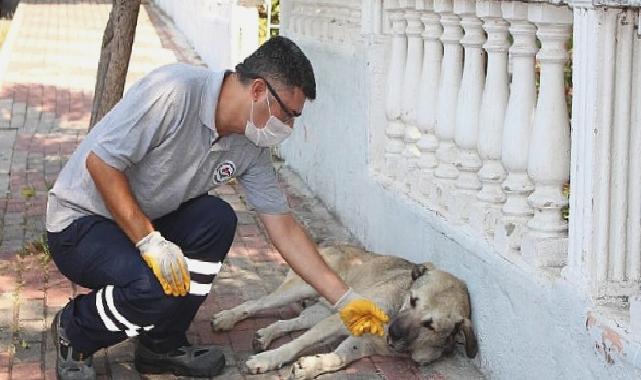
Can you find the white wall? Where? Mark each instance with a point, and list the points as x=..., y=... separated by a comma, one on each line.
x=222, y=32
x=530, y=324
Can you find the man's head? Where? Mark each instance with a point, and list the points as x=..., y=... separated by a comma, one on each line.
x=282, y=64
x=268, y=91
x=277, y=78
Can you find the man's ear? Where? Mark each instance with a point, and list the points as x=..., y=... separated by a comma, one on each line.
x=257, y=88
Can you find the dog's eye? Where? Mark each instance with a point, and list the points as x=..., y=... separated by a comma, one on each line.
x=428, y=324
x=413, y=301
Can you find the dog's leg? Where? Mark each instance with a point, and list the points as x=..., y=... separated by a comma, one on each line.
x=292, y=290
x=351, y=349
x=307, y=319
x=326, y=329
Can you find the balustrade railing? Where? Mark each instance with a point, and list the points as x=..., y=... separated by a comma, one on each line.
x=477, y=125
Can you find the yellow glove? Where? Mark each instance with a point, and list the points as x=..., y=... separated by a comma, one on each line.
x=167, y=262
x=361, y=315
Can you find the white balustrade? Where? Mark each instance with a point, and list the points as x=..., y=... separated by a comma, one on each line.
x=469, y=102
x=428, y=93
x=549, y=154
x=472, y=138
x=451, y=70
x=395, y=128
x=517, y=129
x=492, y=114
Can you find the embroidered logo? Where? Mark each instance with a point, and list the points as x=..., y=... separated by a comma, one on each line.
x=224, y=172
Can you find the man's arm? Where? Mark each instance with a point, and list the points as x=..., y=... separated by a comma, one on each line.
x=113, y=185
x=301, y=254
x=165, y=259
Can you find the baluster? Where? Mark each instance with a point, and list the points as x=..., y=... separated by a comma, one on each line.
x=428, y=94
x=549, y=155
x=411, y=79
x=310, y=17
x=492, y=116
x=285, y=18
x=318, y=22
x=298, y=23
x=395, y=128
x=343, y=17
x=469, y=104
x=518, y=128
x=354, y=31
x=451, y=69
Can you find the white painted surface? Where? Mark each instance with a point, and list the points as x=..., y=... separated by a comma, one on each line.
x=223, y=32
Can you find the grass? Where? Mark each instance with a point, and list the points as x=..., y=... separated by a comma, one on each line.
x=38, y=247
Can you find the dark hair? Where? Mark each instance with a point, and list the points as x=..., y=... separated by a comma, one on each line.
x=280, y=59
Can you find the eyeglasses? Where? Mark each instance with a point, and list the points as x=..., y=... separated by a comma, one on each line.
x=288, y=111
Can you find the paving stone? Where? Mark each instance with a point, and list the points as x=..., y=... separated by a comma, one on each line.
x=121, y=352
x=31, y=309
x=31, y=331
x=27, y=371
x=7, y=139
x=123, y=371
x=27, y=352
x=6, y=338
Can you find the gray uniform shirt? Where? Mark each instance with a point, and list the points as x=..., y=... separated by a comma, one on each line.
x=162, y=136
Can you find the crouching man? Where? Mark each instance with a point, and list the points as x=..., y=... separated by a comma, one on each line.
x=131, y=218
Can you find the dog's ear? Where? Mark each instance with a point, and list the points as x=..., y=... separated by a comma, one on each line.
x=421, y=269
x=471, y=346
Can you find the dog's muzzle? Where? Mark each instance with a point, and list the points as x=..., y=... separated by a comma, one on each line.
x=396, y=336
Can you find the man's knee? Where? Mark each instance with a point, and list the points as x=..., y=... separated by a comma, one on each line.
x=147, y=300
x=217, y=225
x=225, y=217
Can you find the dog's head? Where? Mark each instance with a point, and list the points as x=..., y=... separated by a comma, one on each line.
x=436, y=309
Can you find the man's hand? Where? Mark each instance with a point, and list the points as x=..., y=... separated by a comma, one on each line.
x=361, y=315
x=167, y=262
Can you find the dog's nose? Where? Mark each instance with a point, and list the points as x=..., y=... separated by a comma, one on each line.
x=395, y=331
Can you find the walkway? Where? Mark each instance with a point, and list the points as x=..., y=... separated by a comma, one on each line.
x=47, y=69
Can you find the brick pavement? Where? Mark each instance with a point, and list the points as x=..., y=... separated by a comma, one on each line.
x=48, y=73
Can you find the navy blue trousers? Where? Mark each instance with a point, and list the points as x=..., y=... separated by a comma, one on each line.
x=127, y=299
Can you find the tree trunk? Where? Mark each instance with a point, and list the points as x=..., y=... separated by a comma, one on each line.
x=114, y=57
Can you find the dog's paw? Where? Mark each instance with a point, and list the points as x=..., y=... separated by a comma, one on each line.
x=309, y=367
x=224, y=320
x=260, y=341
x=304, y=368
x=263, y=362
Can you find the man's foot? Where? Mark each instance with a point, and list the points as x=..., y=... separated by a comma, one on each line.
x=70, y=365
x=194, y=361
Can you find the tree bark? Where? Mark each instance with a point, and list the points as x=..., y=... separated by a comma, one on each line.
x=117, y=41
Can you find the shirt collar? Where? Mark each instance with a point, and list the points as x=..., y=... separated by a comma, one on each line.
x=209, y=100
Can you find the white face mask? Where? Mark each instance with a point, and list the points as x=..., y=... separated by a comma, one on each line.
x=273, y=133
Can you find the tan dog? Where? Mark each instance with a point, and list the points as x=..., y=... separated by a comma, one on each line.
x=427, y=308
